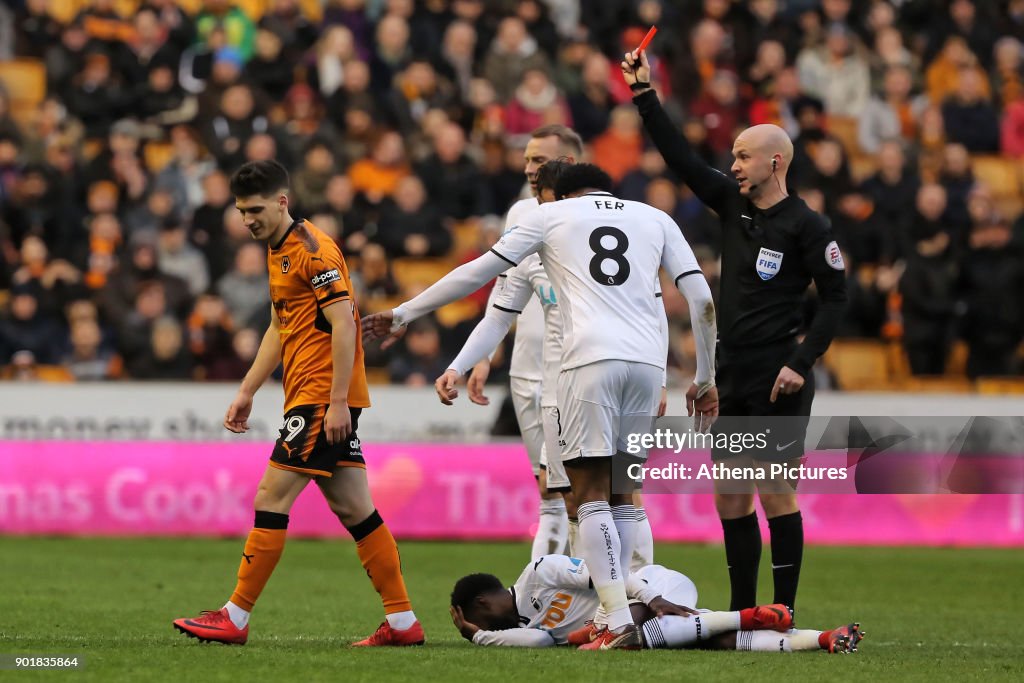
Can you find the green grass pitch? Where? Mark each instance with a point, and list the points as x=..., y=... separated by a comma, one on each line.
x=930, y=614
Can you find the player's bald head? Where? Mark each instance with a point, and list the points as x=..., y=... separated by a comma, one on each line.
x=767, y=139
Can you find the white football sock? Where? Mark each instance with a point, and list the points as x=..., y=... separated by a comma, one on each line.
x=239, y=617
x=764, y=641
x=625, y=524
x=803, y=639
x=401, y=620
x=573, y=537
x=599, y=546
x=672, y=631
x=643, y=551
x=552, y=528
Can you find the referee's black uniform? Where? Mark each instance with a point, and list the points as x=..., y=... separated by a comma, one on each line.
x=769, y=258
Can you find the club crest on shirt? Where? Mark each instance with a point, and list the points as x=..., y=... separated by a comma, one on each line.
x=286, y=263
x=768, y=263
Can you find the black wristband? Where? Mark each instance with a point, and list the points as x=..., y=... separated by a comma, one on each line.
x=638, y=86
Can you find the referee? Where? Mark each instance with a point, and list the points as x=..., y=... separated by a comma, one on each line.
x=773, y=246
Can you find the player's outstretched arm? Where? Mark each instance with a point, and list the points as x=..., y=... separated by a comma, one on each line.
x=710, y=185
x=457, y=284
x=268, y=357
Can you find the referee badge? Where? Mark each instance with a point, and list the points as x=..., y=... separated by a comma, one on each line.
x=768, y=263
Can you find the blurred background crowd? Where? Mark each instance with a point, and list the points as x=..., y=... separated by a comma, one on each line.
x=403, y=124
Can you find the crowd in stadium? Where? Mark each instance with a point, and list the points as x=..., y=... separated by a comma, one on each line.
x=403, y=124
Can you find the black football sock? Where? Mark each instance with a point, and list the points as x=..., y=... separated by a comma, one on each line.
x=787, y=553
x=743, y=554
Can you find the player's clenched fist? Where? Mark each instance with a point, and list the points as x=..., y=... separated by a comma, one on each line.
x=237, y=418
x=382, y=326
x=445, y=387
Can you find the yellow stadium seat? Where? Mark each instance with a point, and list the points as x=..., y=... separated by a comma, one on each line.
x=1000, y=385
x=25, y=82
x=859, y=364
x=254, y=8
x=64, y=10
x=938, y=385
x=191, y=7
x=312, y=9
x=457, y=311
x=1000, y=175
x=377, y=376
x=844, y=128
x=1010, y=207
x=419, y=271
x=465, y=237
x=862, y=167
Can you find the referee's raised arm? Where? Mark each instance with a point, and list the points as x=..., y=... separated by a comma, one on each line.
x=710, y=185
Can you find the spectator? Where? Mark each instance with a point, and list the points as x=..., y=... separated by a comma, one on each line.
x=511, y=54
x=286, y=20
x=229, y=131
x=893, y=115
x=420, y=361
x=96, y=96
x=27, y=328
x=166, y=357
x=175, y=256
x=591, y=106
x=210, y=332
x=392, y=52
x=372, y=278
x=889, y=188
x=618, y=149
x=221, y=20
x=943, y=74
x=720, y=110
x=89, y=359
x=339, y=203
x=334, y=50
x=418, y=89
x=244, y=345
x=969, y=117
x=1007, y=79
x=452, y=178
x=310, y=182
x=957, y=178
x=536, y=102
x=457, y=60
x=244, y=288
x=1011, y=138
x=410, y=226
x=928, y=291
x=377, y=177
x=836, y=73
x=991, y=287
x=268, y=70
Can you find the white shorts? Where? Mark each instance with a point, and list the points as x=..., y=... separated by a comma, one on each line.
x=674, y=586
x=558, y=480
x=602, y=403
x=526, y=400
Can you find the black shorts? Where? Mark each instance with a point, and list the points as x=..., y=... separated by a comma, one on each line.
x=302, y=446
x=745, y=378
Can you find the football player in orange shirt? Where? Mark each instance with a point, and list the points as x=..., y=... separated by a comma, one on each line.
x=315, y=332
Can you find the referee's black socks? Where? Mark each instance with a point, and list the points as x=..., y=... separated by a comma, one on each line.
x=743, y=554
x=787, y=554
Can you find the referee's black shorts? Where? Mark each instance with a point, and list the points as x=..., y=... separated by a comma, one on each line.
x=745, y=378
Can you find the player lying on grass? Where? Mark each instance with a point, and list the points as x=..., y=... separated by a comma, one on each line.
x=553, y=602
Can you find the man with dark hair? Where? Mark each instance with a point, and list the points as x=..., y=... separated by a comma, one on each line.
x=315, y=332
x=773, y=247
x=554, y=598
x=582, y=176
x=602, y=255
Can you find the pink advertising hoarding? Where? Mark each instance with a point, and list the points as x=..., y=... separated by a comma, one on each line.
x=482, y=492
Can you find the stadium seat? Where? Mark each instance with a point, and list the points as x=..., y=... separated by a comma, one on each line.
x=862, y=167
x=859, y=364
x=377, y=376
x=1000, y=175
x=1000, y=385
x=465, y=237
x=457, y=311
x=956, y=359
x=64, y=10
x=312, y=9
x=25, y=81
x=419, y=271
x=254, y=8
x=844, y=128
x=938, y=385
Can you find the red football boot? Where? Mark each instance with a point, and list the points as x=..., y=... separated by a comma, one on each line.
x=766, y=618
x=213, y=626
x=625, y=638
x=386, y=636
x=583, y=635
x=842, y=640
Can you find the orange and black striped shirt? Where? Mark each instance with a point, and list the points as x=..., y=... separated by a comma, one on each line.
x=308, y=272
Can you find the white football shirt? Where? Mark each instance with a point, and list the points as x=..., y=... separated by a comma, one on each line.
x=527, y=355
x=602, y=254
x=554, y=594
x=527, y=285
